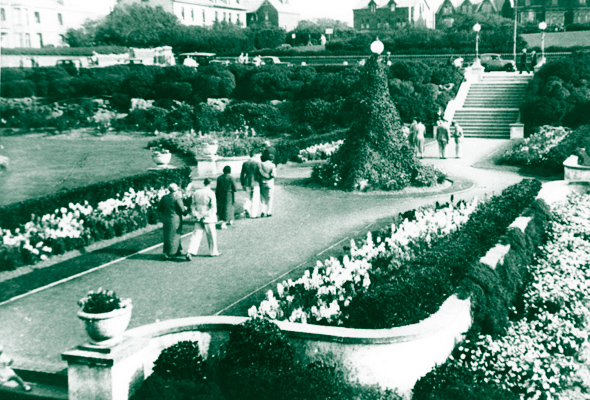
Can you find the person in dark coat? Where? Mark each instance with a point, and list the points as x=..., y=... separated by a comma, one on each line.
x=171, y=210
x=534, y=60
x=522, y=62
x=225, y=195
x=250, y=181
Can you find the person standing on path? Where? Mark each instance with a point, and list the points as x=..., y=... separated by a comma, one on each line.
x=534, y=60
x=458, y=137
x=249, y=179
x=268, y=150
x=522, y=62
x=225, y=192
x=420, y=131
x=204, y=209
x=267, y=172
x=171, y=210
x=442, y=137
x=412, y=137
x=7, y=374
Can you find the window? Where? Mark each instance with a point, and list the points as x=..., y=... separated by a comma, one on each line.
x=554, y=2
x=373, y=8
x=238, y=20
x=40, y=37
x=182, y=12
x=37, y=17
x=229, y=17
x=27, y=40
x=266, y=15
x=4, y=41
x=447, y=11
x=224, y=16
x=583, y=2
x=392, y=7
x=60, y=19
x=216, y=16
x=2, y=14
x=193, y=14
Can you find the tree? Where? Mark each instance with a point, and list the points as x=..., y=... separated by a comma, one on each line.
x=137, y=26
x=81, y=37
x=374, y=153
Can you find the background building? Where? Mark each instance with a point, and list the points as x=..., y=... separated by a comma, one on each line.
x=274, y=12
x=395, y=14
x=39, y=23
x=200, y=12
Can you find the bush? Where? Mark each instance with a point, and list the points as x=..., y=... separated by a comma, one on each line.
x=180, y=361
x=148, y=119
x=13, y=215
x=18, y=88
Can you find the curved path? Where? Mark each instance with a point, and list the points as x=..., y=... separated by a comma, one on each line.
x=307, y=223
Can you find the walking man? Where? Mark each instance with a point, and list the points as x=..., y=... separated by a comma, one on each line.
x=412, y=136
x=249, y=180
x=171, y=210
x=420, y=130
x=267, y=172
x=458, y=136
x=442, y=137
x=522, y=64
x=204, y=209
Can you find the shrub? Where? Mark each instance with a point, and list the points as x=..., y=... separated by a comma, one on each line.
x=180, y=361
x=20, y=88
x=148, y=119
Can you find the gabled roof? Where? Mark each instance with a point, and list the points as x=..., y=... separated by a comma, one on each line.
x=254, y=5
x=491, y=2
x=385, y=4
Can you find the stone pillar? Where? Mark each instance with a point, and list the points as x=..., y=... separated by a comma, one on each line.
x=105, y=372
x=206, y=165
x=516, y=130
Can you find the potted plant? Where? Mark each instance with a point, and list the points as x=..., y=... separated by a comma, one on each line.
x=161, y=156
x=105, y=315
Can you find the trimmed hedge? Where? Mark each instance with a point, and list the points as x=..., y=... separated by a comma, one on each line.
x=64, y=51
x=406, y=294
x=16, y=214
x=494, y=292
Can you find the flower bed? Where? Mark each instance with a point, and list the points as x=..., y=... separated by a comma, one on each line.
x=535, y=147
x=79, y=224
x=538, y=357
x=319, y=151
x=321, y=294
x=401, y=278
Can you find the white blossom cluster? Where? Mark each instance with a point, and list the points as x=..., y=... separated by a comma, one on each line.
x=35, y=237
x=538, y=356
x=538, y=145
x=319, y=151
x=322, y=293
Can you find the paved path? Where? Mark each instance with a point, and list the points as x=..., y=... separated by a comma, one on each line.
x=37, y=328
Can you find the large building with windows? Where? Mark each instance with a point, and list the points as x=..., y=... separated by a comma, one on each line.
x=278, y=13
x=39, y=23
x=384, y=14
x=200, y=12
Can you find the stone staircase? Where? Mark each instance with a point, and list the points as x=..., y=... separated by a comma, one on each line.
x=492, y=104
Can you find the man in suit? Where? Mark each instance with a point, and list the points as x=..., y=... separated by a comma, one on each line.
x=268, y=151
x=442, y=136
x=204, y=209
x=171, y=210
x=249, y=179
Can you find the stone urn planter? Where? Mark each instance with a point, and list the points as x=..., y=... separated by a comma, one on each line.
x=161, y=159
x=105, y=315
x=577, y=166
x=210, y=149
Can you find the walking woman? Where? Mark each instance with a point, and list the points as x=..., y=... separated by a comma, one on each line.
x=171, y=210
x=225, y=192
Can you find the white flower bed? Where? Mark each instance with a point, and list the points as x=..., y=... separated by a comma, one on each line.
x=538, y=355
x=319, y=151
x=69, y=222
x=320, y=294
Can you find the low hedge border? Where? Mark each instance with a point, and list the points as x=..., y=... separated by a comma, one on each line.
x=16, y=214
x=406, y=294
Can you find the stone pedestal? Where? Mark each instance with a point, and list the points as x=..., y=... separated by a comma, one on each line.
x=206, y=165
x=516, y=131
x=573, y=172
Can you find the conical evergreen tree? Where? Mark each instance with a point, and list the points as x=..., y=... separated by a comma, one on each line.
x=375, y=153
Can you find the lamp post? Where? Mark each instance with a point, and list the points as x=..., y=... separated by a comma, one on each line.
x=293, y=36
x=477, y=28
x=542, y=27
x=377, y=47
x=515, y=27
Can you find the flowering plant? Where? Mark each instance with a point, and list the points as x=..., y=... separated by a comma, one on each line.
x=536, y=147
x=322, y=294
x=319, y=151
x=102, y=301
x=159, y=149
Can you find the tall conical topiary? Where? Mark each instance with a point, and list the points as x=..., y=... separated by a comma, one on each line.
x=375, y=153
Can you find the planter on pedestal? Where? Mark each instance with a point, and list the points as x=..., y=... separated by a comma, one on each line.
x=206, y=159
x=161, y=159
x=573, y=170
x=109, y=325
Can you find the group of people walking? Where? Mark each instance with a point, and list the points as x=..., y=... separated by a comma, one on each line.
x=442, y=133
x=210, y=207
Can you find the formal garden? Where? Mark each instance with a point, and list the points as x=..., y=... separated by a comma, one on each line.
x=528, y=337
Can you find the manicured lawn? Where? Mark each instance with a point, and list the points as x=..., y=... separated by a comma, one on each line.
x=42, y=165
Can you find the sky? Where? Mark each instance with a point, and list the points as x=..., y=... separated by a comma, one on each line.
x=333, y=9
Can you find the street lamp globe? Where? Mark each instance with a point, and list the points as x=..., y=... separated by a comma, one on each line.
x=377, y=47
x=476, y=29
x=543, y=26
